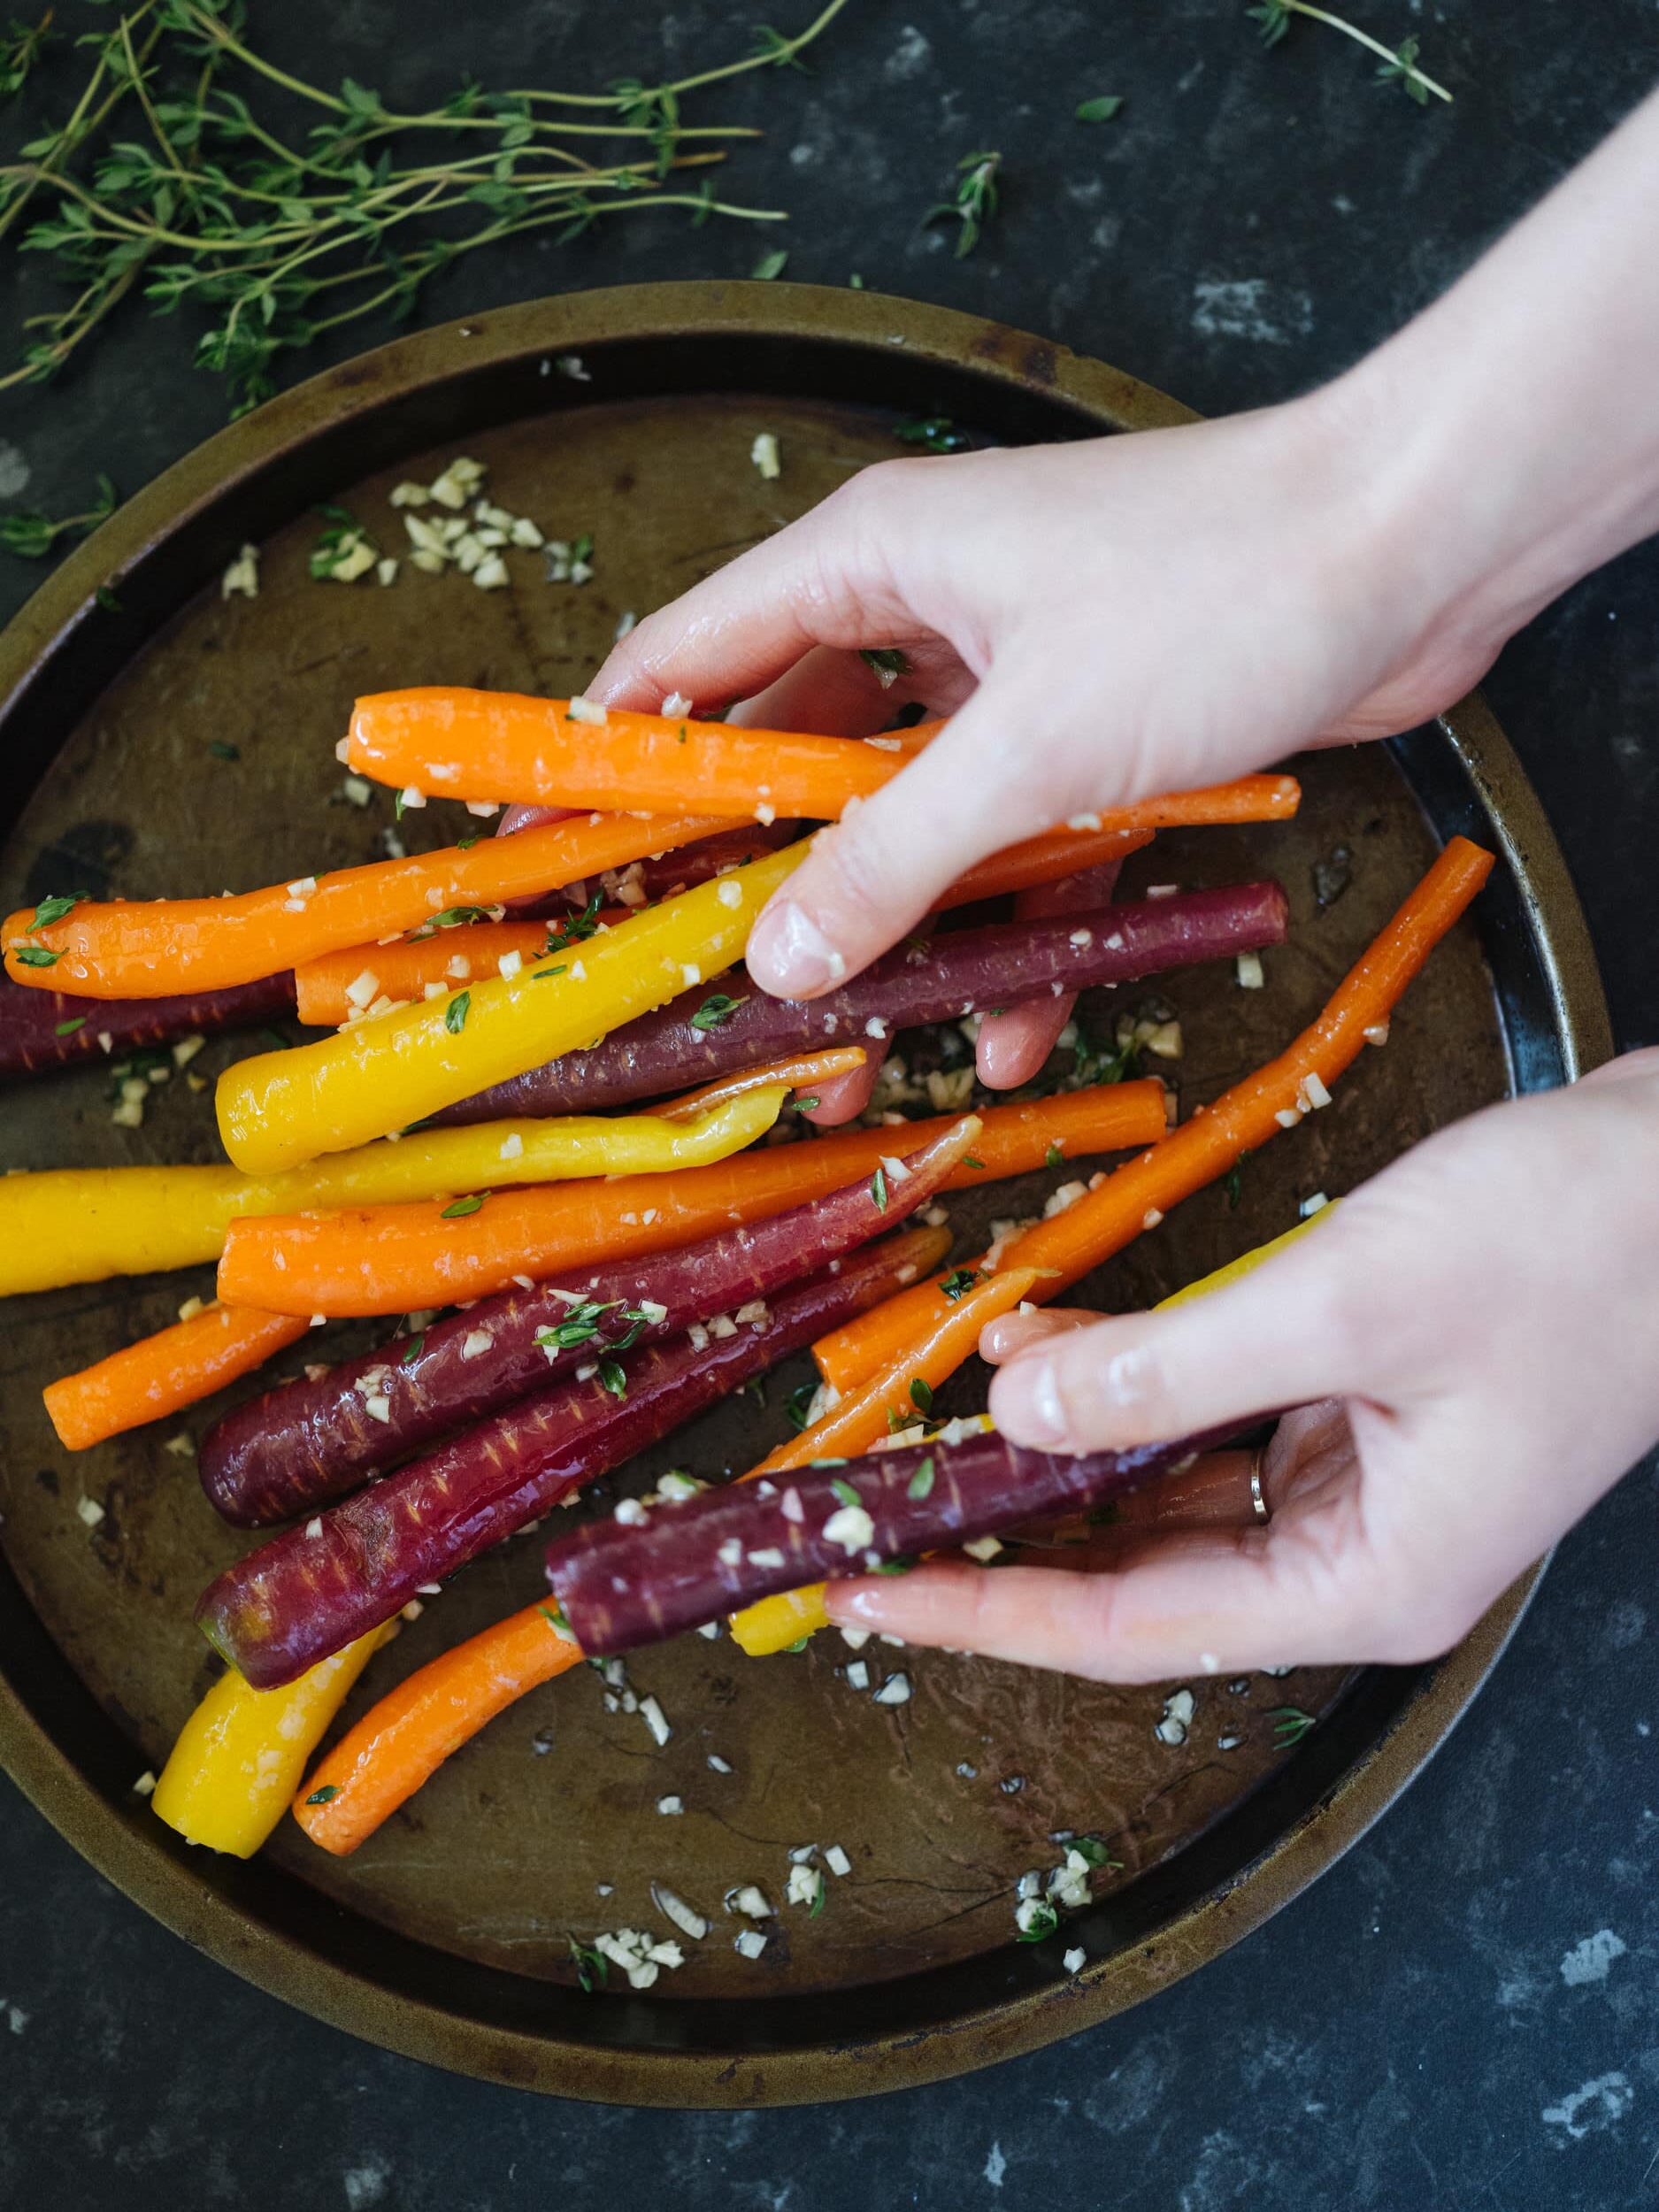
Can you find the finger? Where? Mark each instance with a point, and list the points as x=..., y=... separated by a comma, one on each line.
x=1639, y=1066
x=1012, y=1333
x=827, y=579
x=878, y=871
x=840, y=694
x=520, y=816
x=842, y=1098
x=1198, y=1604
x=1318, y=1321
x=1012, y=1047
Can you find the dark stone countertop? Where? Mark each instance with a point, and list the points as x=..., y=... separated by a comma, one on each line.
x=1460, y=2014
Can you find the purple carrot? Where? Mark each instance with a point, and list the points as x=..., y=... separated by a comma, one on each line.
x=332, y=1579
x=45, y=1029
x=705, y=1033
x=625, y=1583
x=283, y=1454
x=660, y=875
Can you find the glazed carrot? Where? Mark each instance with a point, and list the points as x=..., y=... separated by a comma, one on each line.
x=803, y=1068
x=390, y=1259
x=403, y=1741
x=1204, y=1147
x=498, y=744
x=342, y=984
x=80, y=1225
x=282, y=1108
x=239, y=1755
x=161, y=1374
x=778, y=1623
x=151, y=948
x=1045, y=859
x=858, y=1423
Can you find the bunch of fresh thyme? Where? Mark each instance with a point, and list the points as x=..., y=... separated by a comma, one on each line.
x=192, y=170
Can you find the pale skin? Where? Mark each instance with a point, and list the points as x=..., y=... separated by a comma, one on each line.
x=1473, y=1334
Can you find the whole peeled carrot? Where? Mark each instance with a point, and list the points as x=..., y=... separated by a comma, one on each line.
x=342, y=986
x=162, y=1374
x=1208, y=1145
x=557, y=752
x=331, y=1578
x=402, y=1741
x=157, y=948
x=938, y=979
x=41, y=1030
x=652, y=1574
x=389, y=1259
x=289, y=1450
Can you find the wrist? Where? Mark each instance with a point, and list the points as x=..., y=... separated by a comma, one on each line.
x=1516, y=422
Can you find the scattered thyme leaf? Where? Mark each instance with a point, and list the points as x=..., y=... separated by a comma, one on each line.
x=1098, y=111
x=458, y=1206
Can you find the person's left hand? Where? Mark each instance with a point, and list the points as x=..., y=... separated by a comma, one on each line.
x=1471, y=1339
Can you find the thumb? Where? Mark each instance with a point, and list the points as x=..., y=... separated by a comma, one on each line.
x=1305, y=1325
x=878, y=870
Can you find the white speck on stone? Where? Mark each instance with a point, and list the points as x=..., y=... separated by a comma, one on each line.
x=89, y=1510
x=1249, y=972
x=1075, y=1960
x=1593, y=2107
x=14, y=470
x=365, y=2184
x=1251, y=308
x=1589, y=1961
x=995, y=2166
x=763, y=453
x=671, y=1805
x=894, y=1691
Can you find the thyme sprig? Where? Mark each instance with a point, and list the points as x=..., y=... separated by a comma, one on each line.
x=32, y=535
x=974, y=201
x=196, y=169
x=1398, y=64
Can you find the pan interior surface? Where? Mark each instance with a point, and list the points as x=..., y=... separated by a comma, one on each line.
x=200, y=756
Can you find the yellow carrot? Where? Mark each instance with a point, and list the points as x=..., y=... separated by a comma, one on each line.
x=282, y=1108
x=80, y=1225
x=240, y=1756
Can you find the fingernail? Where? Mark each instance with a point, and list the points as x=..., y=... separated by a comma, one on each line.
x=858, y=1603
x=1027, y=1404
x=789, y=954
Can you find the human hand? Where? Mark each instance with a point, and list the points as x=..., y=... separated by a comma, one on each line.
x=1472, y=1341
x=1093, y=618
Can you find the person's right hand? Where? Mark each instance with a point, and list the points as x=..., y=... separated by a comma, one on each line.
x=1100, y=621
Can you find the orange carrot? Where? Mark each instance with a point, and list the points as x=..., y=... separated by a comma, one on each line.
x=498, y=744
x=137, y=949
x=401, y=972
x=402, y=1741
x=390, y=1259
x=1204, y=1147
x=1045, y=859
x=800, y=1068
x=947, y=1338
x=163, y=1374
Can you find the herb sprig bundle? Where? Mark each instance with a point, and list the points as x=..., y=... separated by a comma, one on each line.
x=192, y=170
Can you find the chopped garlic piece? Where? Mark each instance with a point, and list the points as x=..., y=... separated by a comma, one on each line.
x=765, y=455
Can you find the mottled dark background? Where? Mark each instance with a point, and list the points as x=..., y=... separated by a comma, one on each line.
x=1462, y=2014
